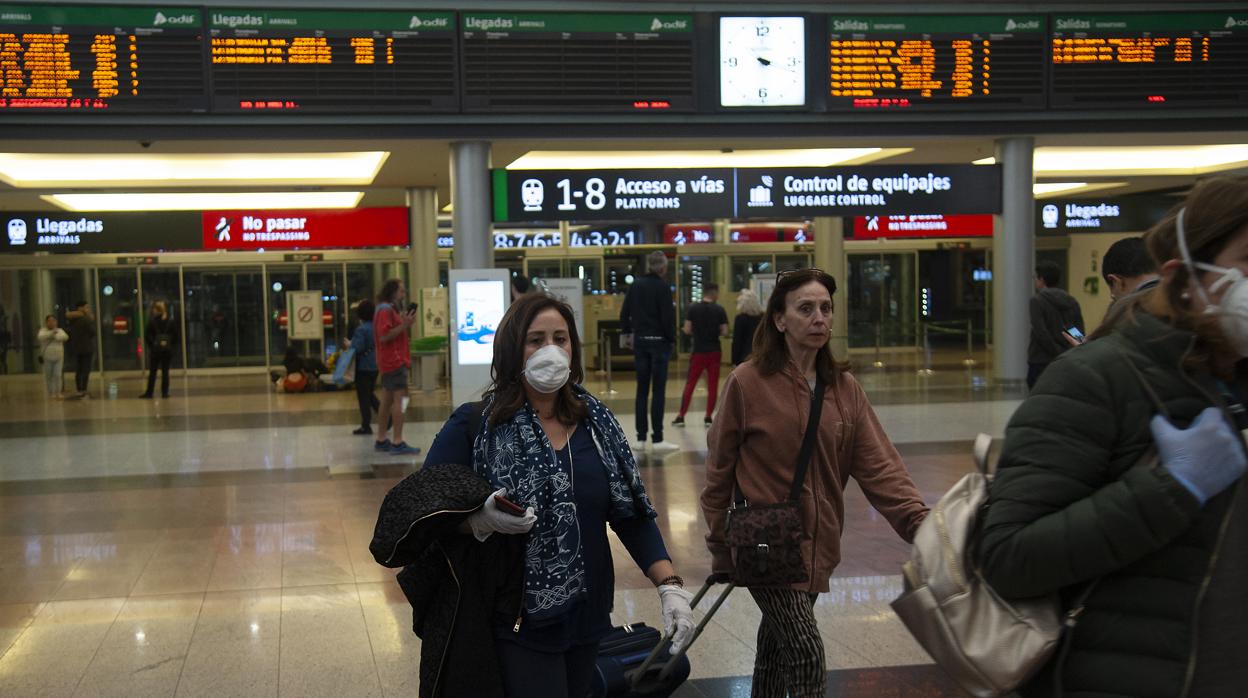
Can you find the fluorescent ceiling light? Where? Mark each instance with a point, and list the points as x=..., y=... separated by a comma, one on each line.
x=448, y=208
x=1136, y=160
x=660, y=159
x=205, y=201
x=182, y=170
x=1043, y=190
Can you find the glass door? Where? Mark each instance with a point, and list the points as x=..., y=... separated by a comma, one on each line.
x=281, y=279
x=882, y=300
x=121, y=319
x=327, y=278
x=223, y=318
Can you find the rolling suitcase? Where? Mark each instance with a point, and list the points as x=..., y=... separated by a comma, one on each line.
x=635, y=660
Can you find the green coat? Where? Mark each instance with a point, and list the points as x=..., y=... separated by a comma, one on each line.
x=1068, y=507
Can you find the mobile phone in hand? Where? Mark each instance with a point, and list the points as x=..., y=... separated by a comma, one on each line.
x=508, y=506
x=411, y=307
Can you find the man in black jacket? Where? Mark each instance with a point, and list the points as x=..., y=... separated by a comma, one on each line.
x=1053, y=312
x=649, y=315
x=81, y=344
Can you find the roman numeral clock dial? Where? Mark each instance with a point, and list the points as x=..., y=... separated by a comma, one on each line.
x=762, y=61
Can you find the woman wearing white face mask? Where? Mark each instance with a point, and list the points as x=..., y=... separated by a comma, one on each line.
x=543, y=442
x=1154, y=551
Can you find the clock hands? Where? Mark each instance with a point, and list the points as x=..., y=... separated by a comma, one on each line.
x=763, y=61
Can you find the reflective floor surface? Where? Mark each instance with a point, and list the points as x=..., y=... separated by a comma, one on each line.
x=216, y=543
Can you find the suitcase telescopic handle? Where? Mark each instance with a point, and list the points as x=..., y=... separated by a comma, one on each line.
x=666, y=641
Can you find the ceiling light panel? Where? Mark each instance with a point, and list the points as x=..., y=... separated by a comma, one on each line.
x=204, y=201
x=1136, y=160
x=43, y=170
x=661, y=159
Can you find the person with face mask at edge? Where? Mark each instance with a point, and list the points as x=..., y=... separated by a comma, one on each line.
x=549, y=446
x=1154, y=551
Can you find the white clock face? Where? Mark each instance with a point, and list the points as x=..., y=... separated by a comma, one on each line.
x=762, y=61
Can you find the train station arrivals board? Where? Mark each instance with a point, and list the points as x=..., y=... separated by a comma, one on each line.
x=579, y=62
x=936, y=62
x=346, y=62
x=1154, y=60
x=62, y=58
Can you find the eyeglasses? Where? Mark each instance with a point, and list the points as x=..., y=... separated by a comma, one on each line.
x=812, y=272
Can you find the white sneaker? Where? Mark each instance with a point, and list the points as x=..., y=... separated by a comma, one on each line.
x=639, y=446
x=664, y=447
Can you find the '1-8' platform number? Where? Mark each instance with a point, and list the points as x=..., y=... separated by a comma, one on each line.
x=594, y=194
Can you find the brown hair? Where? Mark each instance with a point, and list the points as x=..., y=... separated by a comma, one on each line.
x=771, y=352
x=1214, y=212
x=388, y=289
x=508, y=364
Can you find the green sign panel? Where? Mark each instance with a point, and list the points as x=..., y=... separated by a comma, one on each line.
x=1167, y=23
x=587, y=23
x=80, y=16
x=936, y=24
x=305, y=20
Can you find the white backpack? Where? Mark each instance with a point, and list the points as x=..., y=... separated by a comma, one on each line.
x=988, y=645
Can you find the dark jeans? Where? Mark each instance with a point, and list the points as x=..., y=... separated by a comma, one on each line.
x=82, y=373
x=159, y=360
x=365, y=383
x=1033, y=374
x=651, y=356
x=531, y=674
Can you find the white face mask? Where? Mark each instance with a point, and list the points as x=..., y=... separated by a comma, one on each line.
x=547, y=369
x=1233, y=308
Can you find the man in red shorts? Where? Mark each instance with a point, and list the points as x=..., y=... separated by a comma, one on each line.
x=394, y=362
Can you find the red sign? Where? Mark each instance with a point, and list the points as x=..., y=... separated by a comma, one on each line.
x=356, y=227
x=774, y=232
x=121, y=324
x=687, y=234
x=929, y=226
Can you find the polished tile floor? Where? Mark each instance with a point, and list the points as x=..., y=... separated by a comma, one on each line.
x=216, y=543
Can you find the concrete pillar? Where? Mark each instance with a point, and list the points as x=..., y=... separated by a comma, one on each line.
x=830, y=257
x=470, y=197
x=422, y=259
x=1013, y=260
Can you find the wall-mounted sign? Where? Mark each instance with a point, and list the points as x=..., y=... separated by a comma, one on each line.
x=1124, y=214
x=688, y=234
x=253, y=230
x=98, y=232
x=306, y=314
x=693, y=194
x=772, y=232
x=922, y=226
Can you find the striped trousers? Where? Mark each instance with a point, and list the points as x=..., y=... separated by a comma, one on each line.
x=790, y=650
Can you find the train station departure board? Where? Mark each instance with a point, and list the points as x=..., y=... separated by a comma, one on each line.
x=332, y=61
x=1196, y=59
x=578, y=62
x=936, y=62
x=80, y=59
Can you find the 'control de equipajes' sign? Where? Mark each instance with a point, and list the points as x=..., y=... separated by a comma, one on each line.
x=359, y=227
x=550, y=195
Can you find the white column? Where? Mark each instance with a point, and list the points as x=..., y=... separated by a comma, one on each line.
x=1013, y=260
x=422, y=258
x=471, y=201
x=830, y=256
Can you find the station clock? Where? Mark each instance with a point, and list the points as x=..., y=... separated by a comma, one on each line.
x=762, y=61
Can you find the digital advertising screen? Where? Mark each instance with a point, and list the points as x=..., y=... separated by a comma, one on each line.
x=1150, y=61
x=479, y=306
x=269, y=60
x=936, y=62
x=65, y=58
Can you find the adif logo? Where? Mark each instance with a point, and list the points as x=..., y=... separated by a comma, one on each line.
x=17, y=232
x=1231, y=22
x=761, y=194
x=430, y=23
x=1049, y=215
x=658, y=24
x=162, y=19
x=1011, y=25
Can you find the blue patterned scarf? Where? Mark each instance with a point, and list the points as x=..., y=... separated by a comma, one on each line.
x=517, y=455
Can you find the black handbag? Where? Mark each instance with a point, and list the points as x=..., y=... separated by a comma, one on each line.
x=766, y=539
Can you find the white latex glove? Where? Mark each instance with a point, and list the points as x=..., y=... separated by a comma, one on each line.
x=489, y=519
x=676, y=613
